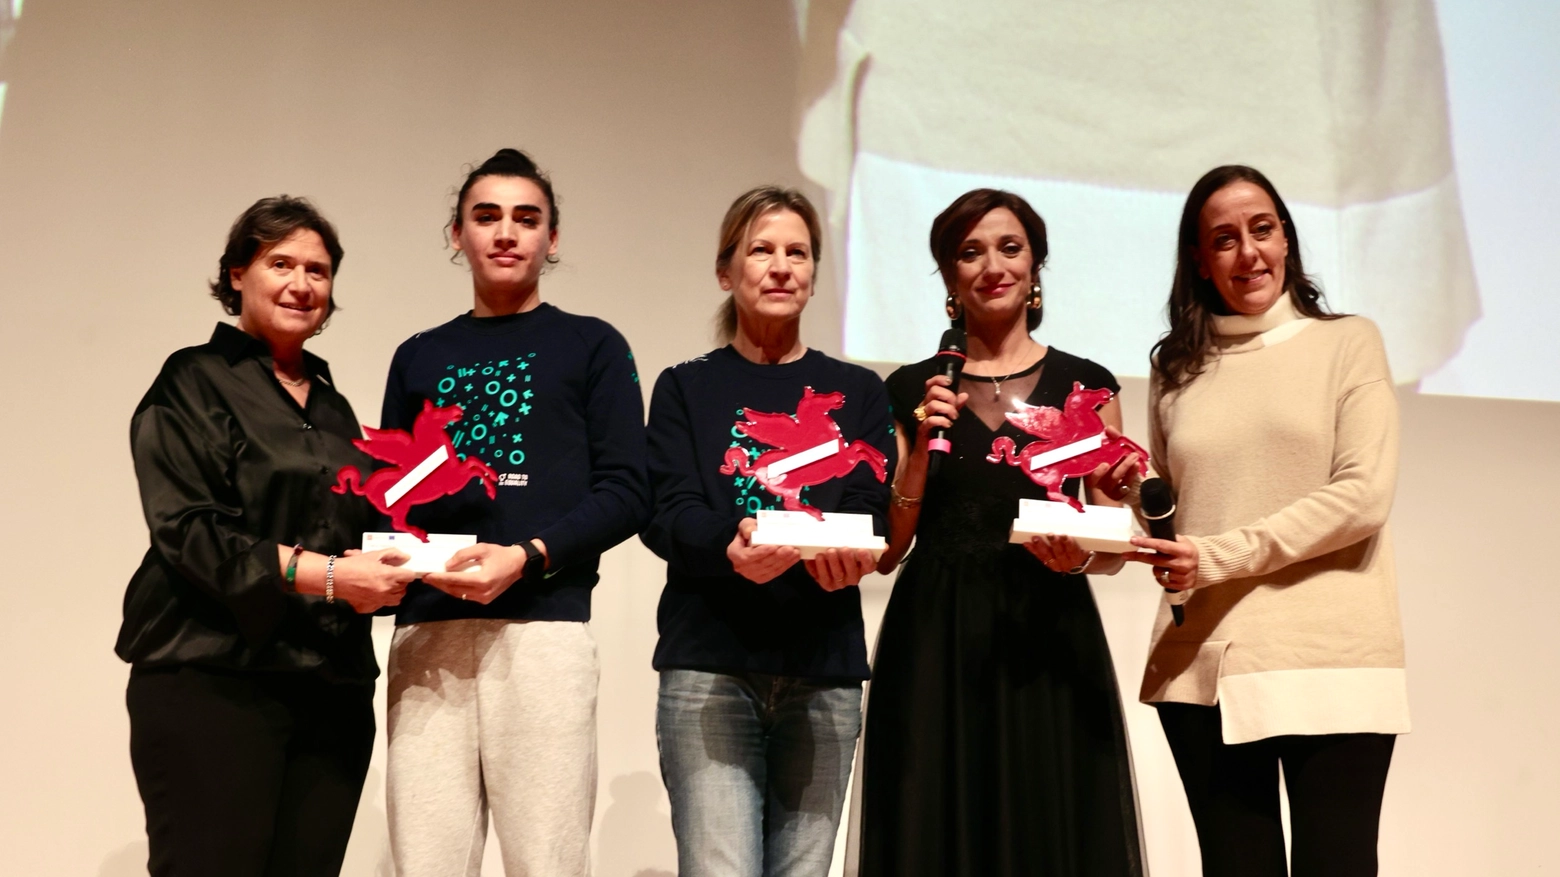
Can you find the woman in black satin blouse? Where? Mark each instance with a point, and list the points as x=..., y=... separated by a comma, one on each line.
x=246, y=625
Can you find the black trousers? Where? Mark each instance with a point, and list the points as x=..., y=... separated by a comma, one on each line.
x=1335, y=784
x=248, y=775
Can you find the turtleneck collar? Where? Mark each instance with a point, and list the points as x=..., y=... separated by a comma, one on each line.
x=1283, y=311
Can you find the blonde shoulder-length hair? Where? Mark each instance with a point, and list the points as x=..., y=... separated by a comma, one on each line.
x=748, y=207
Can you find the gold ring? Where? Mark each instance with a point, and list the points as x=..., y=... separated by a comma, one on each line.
x=920, y=412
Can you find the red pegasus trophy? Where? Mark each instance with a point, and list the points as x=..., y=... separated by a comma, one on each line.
x=423, y=467
x=1070, y=442
x=808, y=450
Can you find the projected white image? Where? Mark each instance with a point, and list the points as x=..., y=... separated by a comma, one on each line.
x=1102, y=115
x=10, y=11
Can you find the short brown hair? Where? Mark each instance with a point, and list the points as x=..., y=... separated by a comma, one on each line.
x=954, y=223
x=266, y=223
x=740, y=216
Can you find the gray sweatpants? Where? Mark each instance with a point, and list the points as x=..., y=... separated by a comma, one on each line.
x=492, y=716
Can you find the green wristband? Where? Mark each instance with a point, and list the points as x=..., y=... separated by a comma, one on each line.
x=292, y=567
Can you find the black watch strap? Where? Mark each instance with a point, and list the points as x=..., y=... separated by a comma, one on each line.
x=535, y=561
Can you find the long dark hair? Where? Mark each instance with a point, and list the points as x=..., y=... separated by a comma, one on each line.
x=267, y=223
x=1182, y=353
x=506, y=163
x=966, y=211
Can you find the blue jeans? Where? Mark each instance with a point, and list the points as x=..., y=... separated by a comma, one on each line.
x=756, y=768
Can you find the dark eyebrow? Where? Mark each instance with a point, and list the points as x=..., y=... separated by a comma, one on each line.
x=487, y=205
x=1259, y=216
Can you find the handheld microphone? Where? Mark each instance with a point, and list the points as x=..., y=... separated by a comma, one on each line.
x=1158, y=507
x=950, y=364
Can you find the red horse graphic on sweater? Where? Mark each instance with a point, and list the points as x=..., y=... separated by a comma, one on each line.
x=1072, y=442
x=808, y=450
x=423, y=467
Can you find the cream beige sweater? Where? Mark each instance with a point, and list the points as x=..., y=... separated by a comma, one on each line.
x=1283, y=455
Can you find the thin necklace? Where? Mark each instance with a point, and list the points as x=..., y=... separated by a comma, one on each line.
x=298, y=383
x=996, y=382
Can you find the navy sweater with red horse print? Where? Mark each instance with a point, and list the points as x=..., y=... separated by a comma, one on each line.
x=715, y=423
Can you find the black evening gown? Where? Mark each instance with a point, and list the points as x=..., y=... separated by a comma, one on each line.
x=994, y=737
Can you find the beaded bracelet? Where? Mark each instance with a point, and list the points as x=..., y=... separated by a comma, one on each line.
x=330, y=579
x=292, y=567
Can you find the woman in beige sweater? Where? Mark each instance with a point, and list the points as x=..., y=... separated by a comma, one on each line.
x=1276, y=424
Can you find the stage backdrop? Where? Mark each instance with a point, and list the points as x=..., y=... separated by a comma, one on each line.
x=132, y=135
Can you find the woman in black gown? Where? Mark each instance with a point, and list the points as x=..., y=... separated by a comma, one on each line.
x=994, y=737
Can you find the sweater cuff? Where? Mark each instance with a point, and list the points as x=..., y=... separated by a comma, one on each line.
x=563, y=548
x=710, y=558
x=1220, y=558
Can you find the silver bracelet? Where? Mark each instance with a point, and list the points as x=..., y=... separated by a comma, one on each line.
x=330, y=579
x=1082, y=566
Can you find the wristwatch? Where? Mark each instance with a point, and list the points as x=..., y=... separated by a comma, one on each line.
x=535, y=561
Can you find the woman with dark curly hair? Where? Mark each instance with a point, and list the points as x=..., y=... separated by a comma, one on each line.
x=994, y=736
x=252, y=681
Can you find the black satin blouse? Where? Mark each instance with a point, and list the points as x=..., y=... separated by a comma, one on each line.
x=230, y=466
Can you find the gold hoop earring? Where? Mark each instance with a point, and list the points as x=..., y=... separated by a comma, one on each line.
x=953, y=307
x=1035, y=301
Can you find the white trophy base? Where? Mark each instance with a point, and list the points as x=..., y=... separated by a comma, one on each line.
x=1097, y=528
x=430, y=556
x=810, y=535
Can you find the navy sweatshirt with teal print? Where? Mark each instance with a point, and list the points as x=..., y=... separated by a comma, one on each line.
x=710, y=618
x=552, y=403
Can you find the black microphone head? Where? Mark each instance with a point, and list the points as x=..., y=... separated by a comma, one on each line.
x=1156, y=497
x=953, y=341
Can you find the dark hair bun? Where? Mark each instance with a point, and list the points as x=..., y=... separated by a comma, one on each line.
x=509, y=162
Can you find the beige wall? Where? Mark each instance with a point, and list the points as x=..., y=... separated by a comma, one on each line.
x=134, y=133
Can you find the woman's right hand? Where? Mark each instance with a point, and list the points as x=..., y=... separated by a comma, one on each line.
x=758, y=563
x=372, y=580
x=941, y=407
x=1117, y=481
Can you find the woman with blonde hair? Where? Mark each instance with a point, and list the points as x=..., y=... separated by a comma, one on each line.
x=761, y=654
